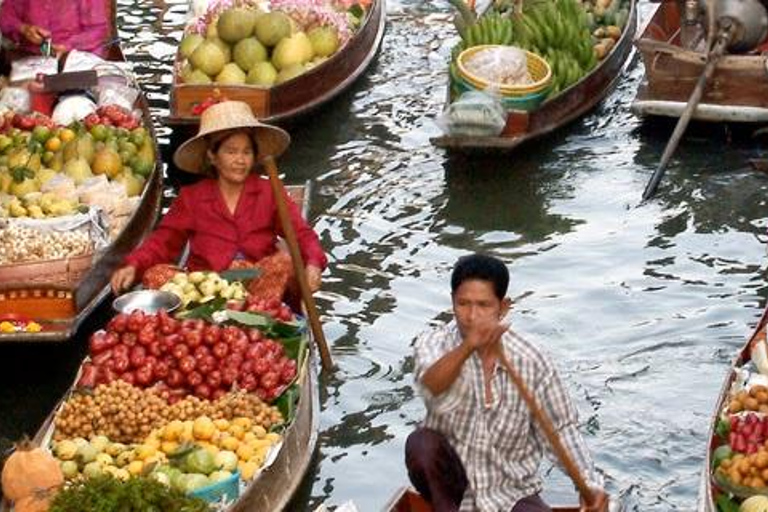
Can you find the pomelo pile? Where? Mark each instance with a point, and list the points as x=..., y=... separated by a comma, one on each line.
x=244, y=45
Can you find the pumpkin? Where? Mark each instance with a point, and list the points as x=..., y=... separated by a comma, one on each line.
x=33, y=503
x=28, y=471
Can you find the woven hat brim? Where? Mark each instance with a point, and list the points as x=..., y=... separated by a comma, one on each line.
x=271, y=140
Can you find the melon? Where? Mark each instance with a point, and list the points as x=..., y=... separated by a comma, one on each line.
x=235, y=24
x=248, y=52
x=262, y=74
x=231, y=74
x=208, y=58
x=271, y=27
x=324, y=40
x=292, y=50
x=189, y=43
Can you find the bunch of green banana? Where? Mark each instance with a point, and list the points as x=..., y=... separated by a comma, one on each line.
x=491, y=28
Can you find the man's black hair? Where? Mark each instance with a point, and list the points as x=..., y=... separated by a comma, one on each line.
x=481, y=267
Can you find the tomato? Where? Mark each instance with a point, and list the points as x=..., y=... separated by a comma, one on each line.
x=144, y=376
x=212, y=335
x=286, y=314
x=193, y=338
x=180, y=351
x=261, y=367
x=162, y=369
x=147, y=335
x=175, y=378
x=168, y=325
x=121, y=350
x=269, y=380
x=277, y=348
x=88, y=376
x=201, y=352
x=214, y=379
x=229, y=375
x=136, y=320
x=128, y=377
x=121, y=363
x=194, y=379
x=220, y=350
x=138, y=356
x=98, y=343
x=203, y=391
x=156, y=348
x=187, y=364
x=129, y=338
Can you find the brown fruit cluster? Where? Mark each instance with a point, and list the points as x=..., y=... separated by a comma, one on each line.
x=756, y=399
x=747, y=470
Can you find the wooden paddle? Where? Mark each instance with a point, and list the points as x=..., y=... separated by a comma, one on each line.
x=587, y=494
x=298, y=262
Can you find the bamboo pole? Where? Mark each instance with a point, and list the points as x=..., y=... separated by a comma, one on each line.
x=298, y=262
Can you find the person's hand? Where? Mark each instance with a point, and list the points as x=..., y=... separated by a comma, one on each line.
x=122, y=279
x=34, y=34
x=599, y=503
x=487, y=334
x=314, y=277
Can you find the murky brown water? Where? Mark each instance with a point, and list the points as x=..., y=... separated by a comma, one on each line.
x=642, y=306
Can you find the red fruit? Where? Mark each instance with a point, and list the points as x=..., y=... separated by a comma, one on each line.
x=180, y=351
x=129, y=338
x=236, y=305
x=206, y=365
x=169, y=325
x=201, y=352
x=739, y=444
x=203, y=391
x=136, y=320
x=162, y=370
x=147, y=335
x=230, y=333
x=192, y=324
x=156, y=348
x=193, y=338
x=144, y=376
x=270, y=380
x=263, y=395
x=248, y=382
x=121, y=363
x=229, y=375
x=118, y=324
x=157, y=275
x=194, y=379
x=98, y=343
x=220, y=350
x=105, y=376
x=102, y=358
x=212, y=334
x=254, y=335
x=234, y=359
x=214, y=379
x=138, y=356
x=128, y=377
x=218, y=393
x=88, y=376
x=246, y=368
x=288, y=373
x=175, y=378
x=261, y=367
x=187, y=364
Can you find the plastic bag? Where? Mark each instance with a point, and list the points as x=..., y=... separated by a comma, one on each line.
x=506, y=65
x=15, y=99
x=78, y=60
x=27, y=68
x=474, y=114
x=72, y=108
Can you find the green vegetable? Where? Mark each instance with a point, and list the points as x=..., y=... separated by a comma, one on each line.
x=138, y=493
x=201, y=461
x=723, y=428
x=726, y=504
x=720, y=454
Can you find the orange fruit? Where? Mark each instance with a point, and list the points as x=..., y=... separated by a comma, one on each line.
x=67, y=135
x=53, y=144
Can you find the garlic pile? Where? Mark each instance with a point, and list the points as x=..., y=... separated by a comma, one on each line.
x=22, y=244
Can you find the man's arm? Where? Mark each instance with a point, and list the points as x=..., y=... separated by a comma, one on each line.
x=441, y=375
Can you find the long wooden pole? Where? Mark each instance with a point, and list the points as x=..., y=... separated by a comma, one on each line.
x=713, y=56
x=544, y=422
x=298, y=262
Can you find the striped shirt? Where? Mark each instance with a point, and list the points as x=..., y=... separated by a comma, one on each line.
x=499, y=444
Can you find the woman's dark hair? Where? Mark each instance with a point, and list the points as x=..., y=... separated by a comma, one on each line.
x=481, y=267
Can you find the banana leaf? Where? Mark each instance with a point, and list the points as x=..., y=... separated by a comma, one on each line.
x=204, y=310
x=266, y=324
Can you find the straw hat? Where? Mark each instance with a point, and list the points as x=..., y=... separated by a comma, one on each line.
x=228, y=115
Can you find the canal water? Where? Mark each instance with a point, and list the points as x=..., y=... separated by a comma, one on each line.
x=641, y=305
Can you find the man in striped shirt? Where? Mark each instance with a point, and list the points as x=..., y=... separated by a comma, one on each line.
x=480, y=448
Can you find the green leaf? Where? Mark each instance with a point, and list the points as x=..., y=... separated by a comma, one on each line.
x=249, y=318
x=240, y=274
x=726, y=504
x=723, y=428
x=266, y=324
x=286, y=403
x=204, y=311
x=295, y=348
x=357, y=11
x=18, y=173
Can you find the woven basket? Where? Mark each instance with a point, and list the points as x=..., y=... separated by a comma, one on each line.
x=65, y=272
x=540, y=72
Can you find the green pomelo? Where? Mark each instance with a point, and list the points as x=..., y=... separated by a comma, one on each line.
x=262, y=74
x=189, y=43
x=231, y=74
x=224, y=47
x=236, y=24
x=197, y=77
x=208, y=58
x=272, y=27
x=292, y=50
x=248, y=52
x=211, y=30
x=325, y=41
x=289, y=73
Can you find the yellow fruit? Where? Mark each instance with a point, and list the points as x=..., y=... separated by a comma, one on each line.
x=245, y=451
x=168, y=447
x=273, y=436
x=244, y=422
x=221, y=424
x=107, y=162
x=237, y=431
x=145, y=451
x=66, y=135
x=247, y=469
x=230, y=443
x=53, y=144
x=173, y=430
x=135, y=467
x=259, y=431
x=250, y=436
x=203, y=428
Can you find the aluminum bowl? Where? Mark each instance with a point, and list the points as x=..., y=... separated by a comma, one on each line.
x=148, y=301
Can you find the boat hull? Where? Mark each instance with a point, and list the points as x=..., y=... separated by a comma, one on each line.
x=408, y=500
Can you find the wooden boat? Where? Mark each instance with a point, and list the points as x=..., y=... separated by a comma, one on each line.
x=295, y=97
x=61, y=310
x=737, y=91
x=408, y=500
x=557, y=111
x=708, y=491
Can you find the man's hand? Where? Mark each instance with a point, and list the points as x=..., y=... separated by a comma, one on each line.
x=123, y=279
x=314, y=277
x=480, y=337
x=599, y=503
x=34, y=34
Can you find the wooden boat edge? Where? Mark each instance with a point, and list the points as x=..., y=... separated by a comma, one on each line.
x=618, y=58
x=406, y=499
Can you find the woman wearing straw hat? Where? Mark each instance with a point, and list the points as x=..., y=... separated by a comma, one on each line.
x=231, y=216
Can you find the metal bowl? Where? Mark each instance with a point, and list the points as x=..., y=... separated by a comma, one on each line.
x=148, y=301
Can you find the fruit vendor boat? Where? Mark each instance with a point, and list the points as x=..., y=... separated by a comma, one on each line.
x=33, y=294
x=556, y=110
x=408, y=500
x=736, y=92
x=289, y=99
x=717, y=491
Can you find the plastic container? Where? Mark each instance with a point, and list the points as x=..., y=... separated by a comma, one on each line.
x=228, y=489
x=526, y=102
x=540, y=72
